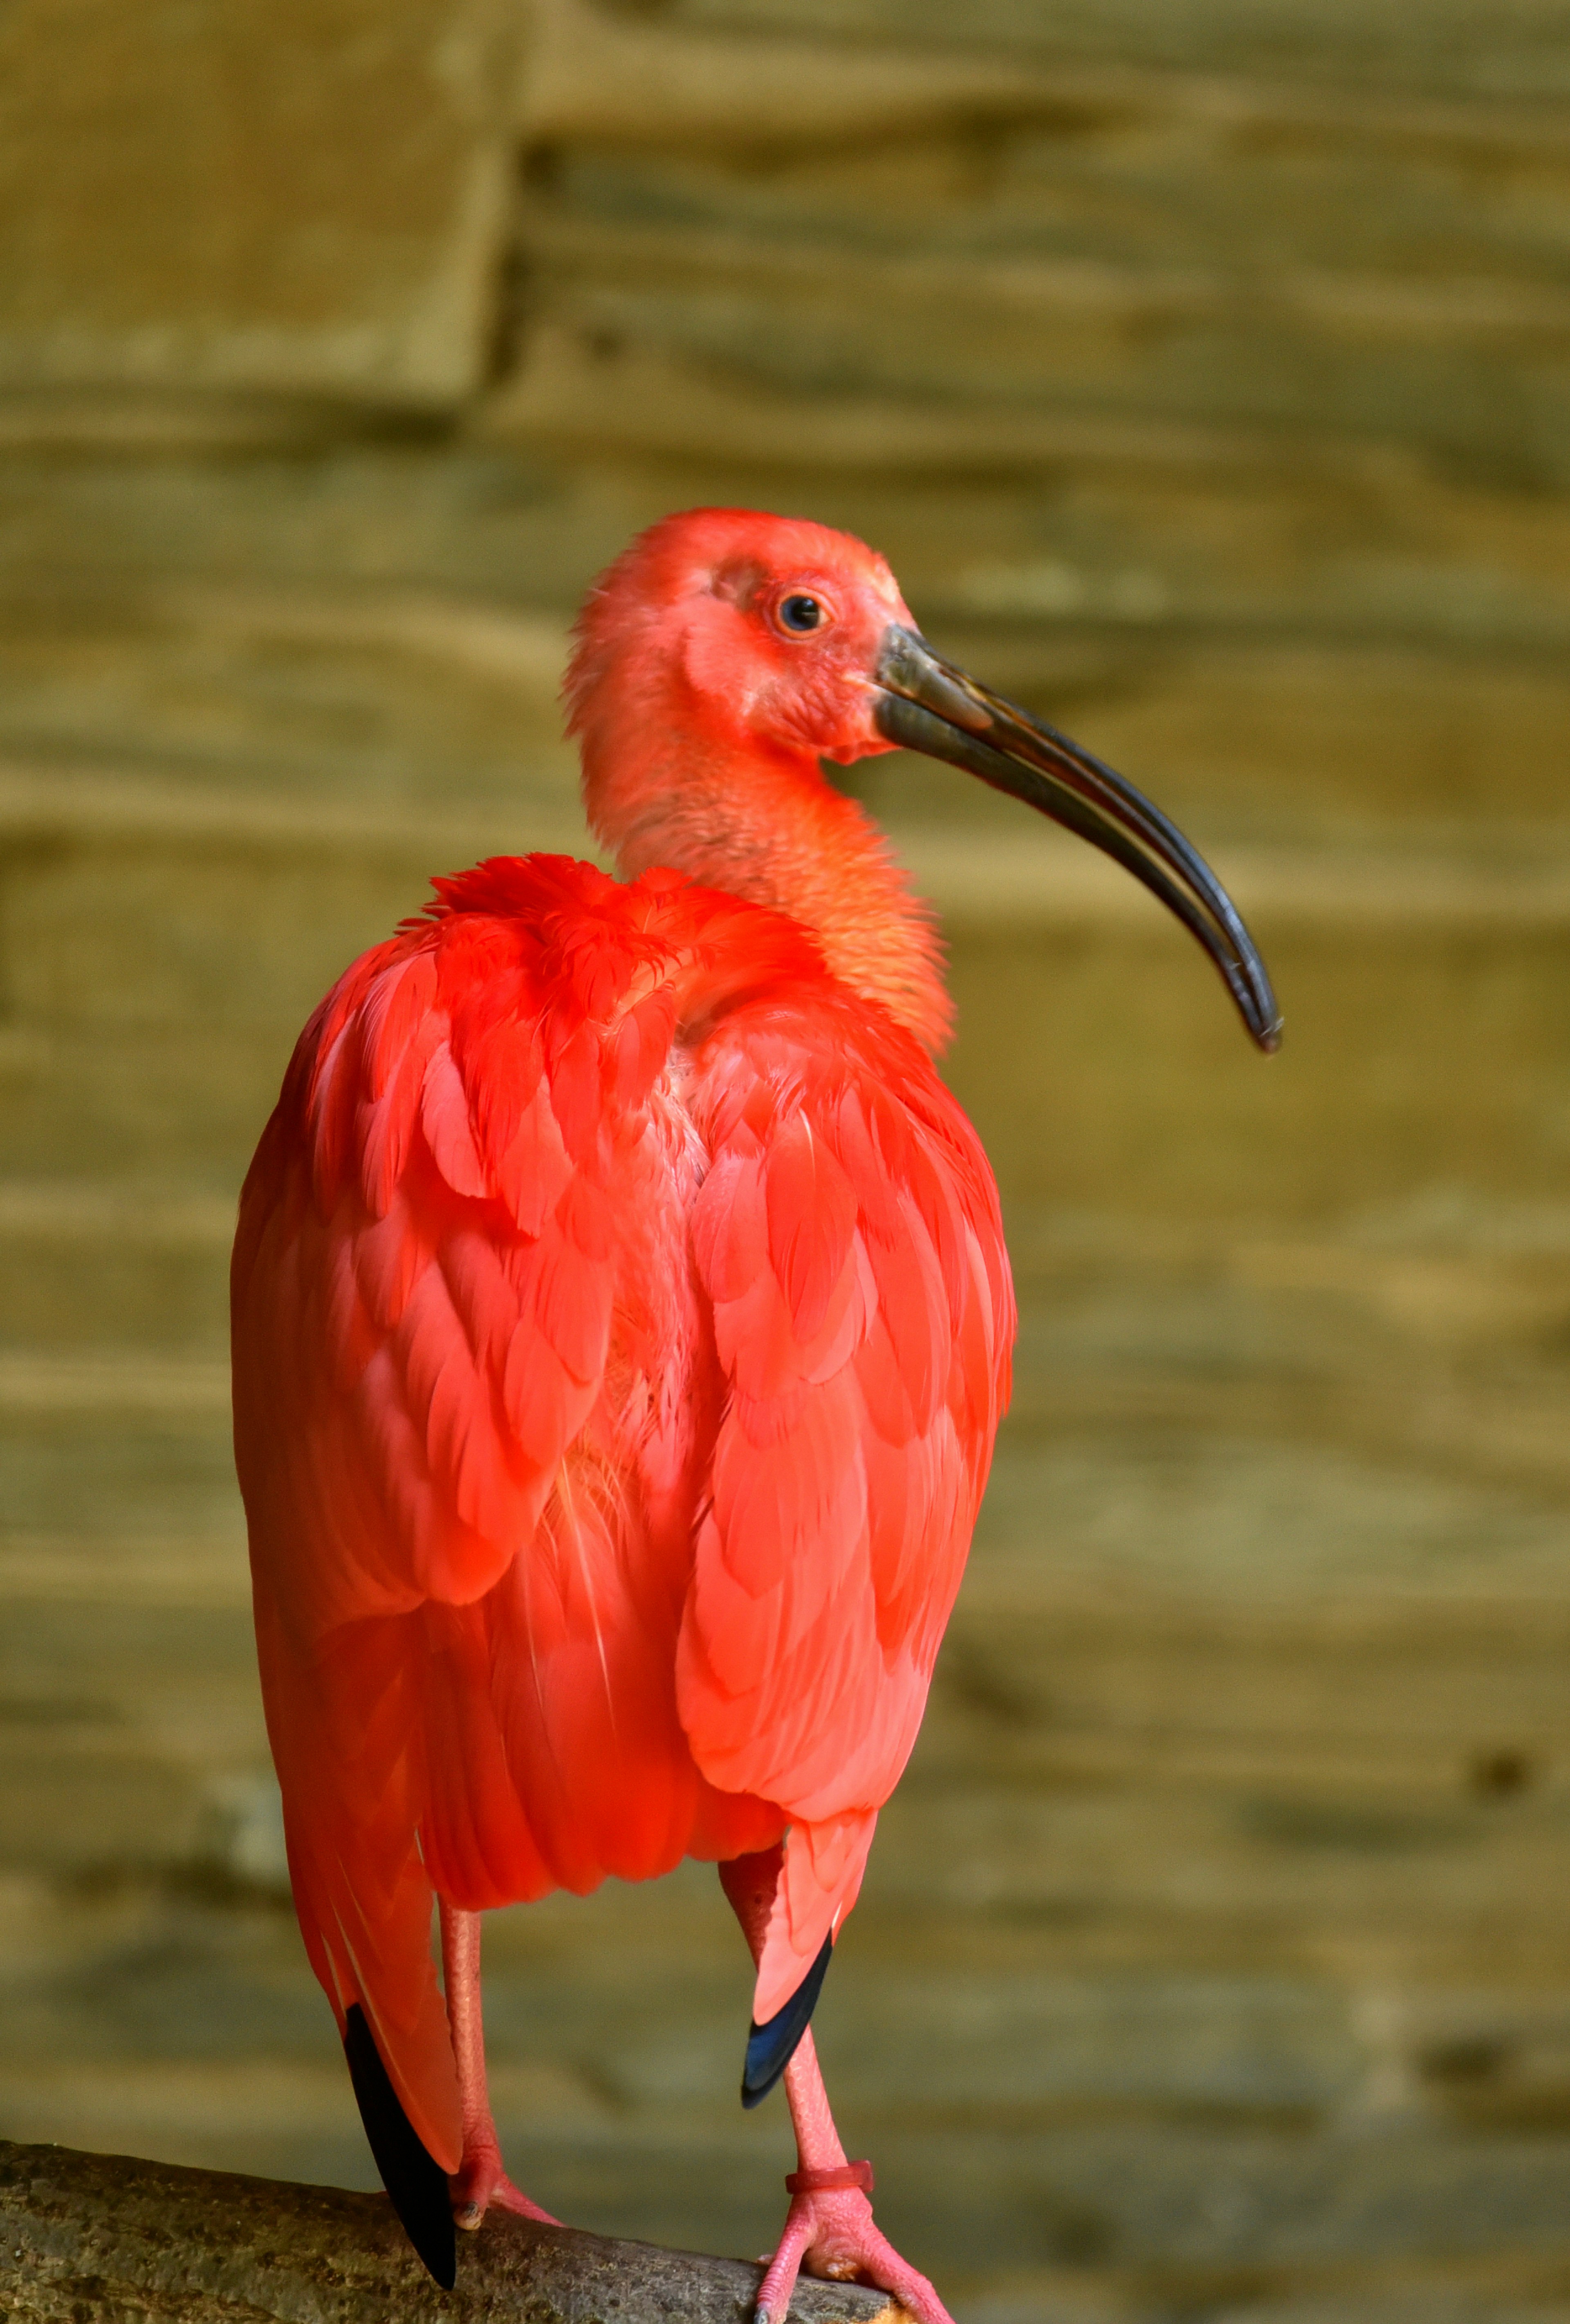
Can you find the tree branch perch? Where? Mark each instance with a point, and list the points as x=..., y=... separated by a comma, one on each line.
x=104, y=2239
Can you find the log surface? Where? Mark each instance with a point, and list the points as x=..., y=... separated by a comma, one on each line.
x=88, y=2238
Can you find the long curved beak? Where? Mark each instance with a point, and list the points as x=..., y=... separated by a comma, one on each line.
x=926, y=704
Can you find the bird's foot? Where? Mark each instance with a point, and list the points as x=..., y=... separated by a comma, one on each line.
x=833, y=2234
x=481, y=2182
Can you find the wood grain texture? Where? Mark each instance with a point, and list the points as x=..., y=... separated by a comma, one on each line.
x=100, y=2236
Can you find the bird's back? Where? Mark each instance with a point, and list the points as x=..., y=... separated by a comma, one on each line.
x=621, y=1323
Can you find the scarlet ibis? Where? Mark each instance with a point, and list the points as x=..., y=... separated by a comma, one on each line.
x=622, y=1321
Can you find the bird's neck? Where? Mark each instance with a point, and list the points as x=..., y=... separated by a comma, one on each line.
x=763, y=824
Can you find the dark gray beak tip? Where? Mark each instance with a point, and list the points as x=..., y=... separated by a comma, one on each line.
x=928, y=704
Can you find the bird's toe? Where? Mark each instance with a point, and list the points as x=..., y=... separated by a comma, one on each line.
x=508, y=2197
x=480, y=2184
x=833, y=2235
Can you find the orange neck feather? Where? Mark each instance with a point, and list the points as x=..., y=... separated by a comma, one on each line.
x=760, y=821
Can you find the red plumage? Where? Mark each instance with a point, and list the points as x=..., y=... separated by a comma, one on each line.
x=622, y=1321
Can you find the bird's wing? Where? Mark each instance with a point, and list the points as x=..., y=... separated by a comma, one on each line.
x=848, y=1237
x=423, y=1286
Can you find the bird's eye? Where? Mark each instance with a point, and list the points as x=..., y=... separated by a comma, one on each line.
x=800, y=614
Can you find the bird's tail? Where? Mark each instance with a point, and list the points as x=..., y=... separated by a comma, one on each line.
x=791, y=1904
x=415, y=2181
x=362, y=1892
x=367, y=1932
x=771, y=2046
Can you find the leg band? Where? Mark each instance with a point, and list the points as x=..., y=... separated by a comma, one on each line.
x=831, y=2182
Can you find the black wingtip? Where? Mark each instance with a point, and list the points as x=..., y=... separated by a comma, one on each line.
x=771, y=2047
x=415, y=2181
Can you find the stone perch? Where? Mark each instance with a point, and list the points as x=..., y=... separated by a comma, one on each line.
x=99, y=2238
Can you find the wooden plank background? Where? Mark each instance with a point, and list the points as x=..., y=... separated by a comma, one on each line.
x=1204, y=373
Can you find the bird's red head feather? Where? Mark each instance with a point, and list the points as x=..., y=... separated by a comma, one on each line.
x=718, y=660
x=736, y=631
x=726, y=653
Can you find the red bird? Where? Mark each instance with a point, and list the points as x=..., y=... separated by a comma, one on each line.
x=621, y=1321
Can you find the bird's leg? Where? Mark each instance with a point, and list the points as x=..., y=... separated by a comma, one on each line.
x=480, y=2179
x=829, y=2229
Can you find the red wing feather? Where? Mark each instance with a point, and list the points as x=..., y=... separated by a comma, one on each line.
x=848, y=1237
x=611, y=1429
x=470, y=1544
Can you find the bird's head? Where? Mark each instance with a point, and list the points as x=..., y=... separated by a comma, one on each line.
x=762, y=631
x=723, y=637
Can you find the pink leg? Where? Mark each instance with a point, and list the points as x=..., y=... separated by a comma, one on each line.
x=480, y=2179
x=828, y=2231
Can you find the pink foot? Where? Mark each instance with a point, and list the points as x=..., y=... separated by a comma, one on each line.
x=482, y=2182
x=833, y=2235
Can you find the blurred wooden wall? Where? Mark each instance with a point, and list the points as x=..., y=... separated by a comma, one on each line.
x=1203, y=370
x=1181, y=334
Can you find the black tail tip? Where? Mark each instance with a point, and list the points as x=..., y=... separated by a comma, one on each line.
x=415, y=2181
x=771, y=2047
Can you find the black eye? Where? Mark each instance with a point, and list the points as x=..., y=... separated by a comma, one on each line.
x=800, y=614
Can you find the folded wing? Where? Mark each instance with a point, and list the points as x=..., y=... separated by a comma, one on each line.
x=469, y=1189
x=847, y=1236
